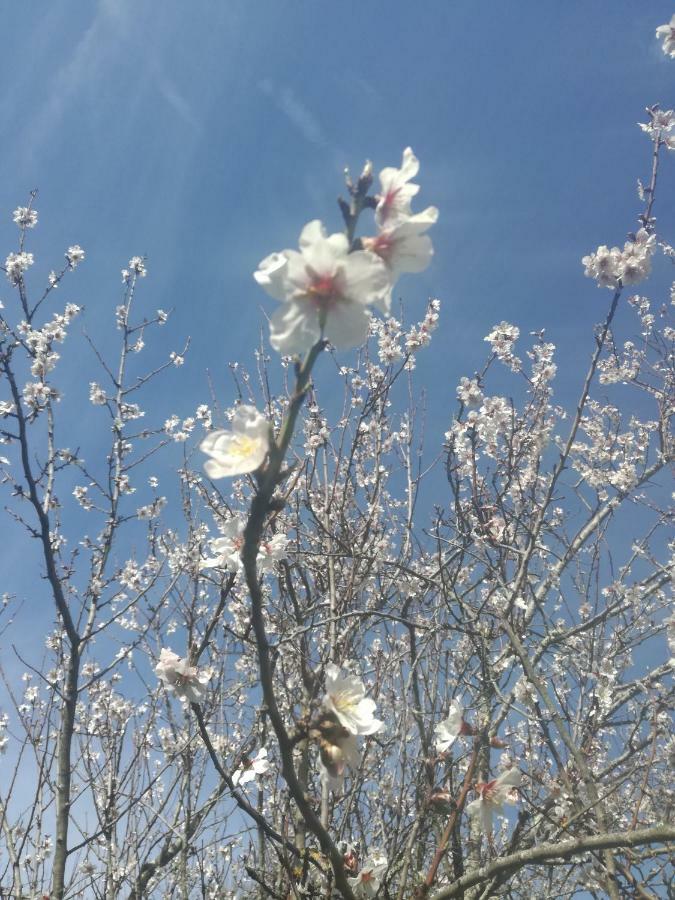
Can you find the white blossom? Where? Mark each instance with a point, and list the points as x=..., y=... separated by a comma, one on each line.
x=25, y=217
x=666, y=33
x=450, y=728
x=16, y=264
x=346, y=698
x=186, y=681
x=251, y=768
x=367, y=882
x=240, y=450
x=324, y=289
x=396, y=192
x=74, y=255
x=271, y=552
x=492, y=795
x=227, y=549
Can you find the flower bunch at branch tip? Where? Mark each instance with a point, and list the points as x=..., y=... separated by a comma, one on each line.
x=327, y=285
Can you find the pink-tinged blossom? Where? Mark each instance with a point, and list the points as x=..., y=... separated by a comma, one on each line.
x=396, y=192
x=271, y=552
x=451, y=727
x=404, y=247
x=666, y=33
x=186, y=681
x=240, y=450
x=227, y=549
x=346, y=698
x=324, y=290
x=492, y=795
x=251, y=768
x=367, y=882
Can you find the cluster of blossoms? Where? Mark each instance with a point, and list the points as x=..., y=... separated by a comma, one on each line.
x=136, y=268
x=39, y=341
x=501, y=340
x=25, y=217
x=666, y=33
x=659, y=128
x=327, y=286
x=16, y=264
x=612, y=268
x=227, y=549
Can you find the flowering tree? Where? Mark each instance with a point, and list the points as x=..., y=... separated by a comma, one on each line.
x=301, y=679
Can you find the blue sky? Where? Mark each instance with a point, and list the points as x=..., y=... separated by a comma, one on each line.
x=205, y=135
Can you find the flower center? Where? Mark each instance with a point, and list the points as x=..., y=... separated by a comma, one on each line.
x=322, y=290
x=242, y=446
x=487, y=789
x=382, y=245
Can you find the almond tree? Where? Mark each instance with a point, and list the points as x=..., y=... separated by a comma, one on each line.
x=336, y=663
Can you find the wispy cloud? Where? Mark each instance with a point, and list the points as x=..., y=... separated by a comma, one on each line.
x=295, y=110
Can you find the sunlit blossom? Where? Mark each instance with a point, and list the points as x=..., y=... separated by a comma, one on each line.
x=325, y=291
x=451, y=727
x=367, y=882
x=404, y=247
x=396, y=192
x=226, y=549
x=666, y=33
x=186, y=681
x=346, y=698
x=251, y=768
x=239, y=450
x=492, y=795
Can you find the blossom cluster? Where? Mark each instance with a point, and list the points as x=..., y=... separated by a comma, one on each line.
x=613, y=267
x=327, y=285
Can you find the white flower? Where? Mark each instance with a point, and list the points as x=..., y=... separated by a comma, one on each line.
x=250, y=768
x=179, y=676
x=137, y=265
x=241, y=450
x=16, y=264
x=367, y=882
x=271, y=552
x=346, y=698
x=469, y=392
x=325, y=290
x=74, y=255
x=393, y=204
x=227, y=549
x=666, y=33
x=450, y=729
x=492, y=795
x=603, y=265
x=404, y=247
x=25, y=217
